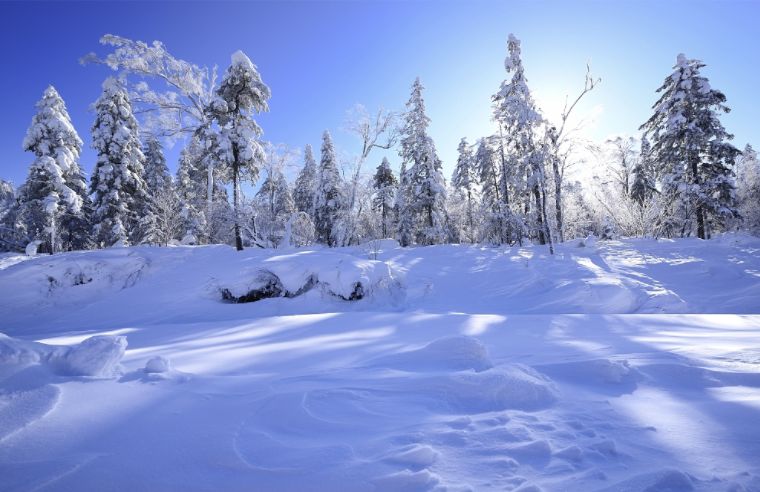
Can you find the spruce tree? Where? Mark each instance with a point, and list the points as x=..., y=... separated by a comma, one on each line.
x=643, y=186
x=240, y=95
x=692, y=149
x=519, y=122
x=464, y=181
x=424, y=168
x=54, y=201
x=384, y=182
x=305, y=187
x=275, y=205
x=121, y=201
x=329, y=198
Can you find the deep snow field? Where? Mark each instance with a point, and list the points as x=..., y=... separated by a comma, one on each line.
x=629, y=365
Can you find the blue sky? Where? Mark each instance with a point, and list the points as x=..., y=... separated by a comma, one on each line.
x=321, y=58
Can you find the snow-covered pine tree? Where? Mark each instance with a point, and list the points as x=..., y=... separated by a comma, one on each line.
x=748, y=189
x=519, y=121
x=385, y=183
x=329, y=198
x=275, y=206
x=464, y=180
x=692, y=149
x=54, y=201
x=495, y=214
x=12, y=236
x=156, y=173
x=643, y=186
x=424, y=167
x=240, y=95
x=406, y=216
x=305, y=188
x=121, y=201
x=164, y=221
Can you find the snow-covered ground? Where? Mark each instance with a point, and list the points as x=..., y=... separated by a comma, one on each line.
x=627, y=365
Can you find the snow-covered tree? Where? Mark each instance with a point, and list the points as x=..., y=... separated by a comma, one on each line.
x=121, y=202
x=693, y=151
x=240, y=95
x=274, y=208
x=12, y=237
x=405, y=213
x=464, y=181
x=643, y=185
x=305, y=188
x=519, y=122
x=428, y=187
x=54, y=201
x=748, y=188
x=384, y=183
x=329, y=199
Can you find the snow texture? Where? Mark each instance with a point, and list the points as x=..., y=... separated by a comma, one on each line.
x=618, y=366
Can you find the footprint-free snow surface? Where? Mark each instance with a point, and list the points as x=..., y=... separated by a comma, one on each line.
x=629, y=365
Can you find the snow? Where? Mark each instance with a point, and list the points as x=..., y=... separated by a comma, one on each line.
x=626, y=365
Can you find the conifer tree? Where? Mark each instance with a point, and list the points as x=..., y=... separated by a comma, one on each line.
x=692, y=149
x=329, y=197
x=306, y=184
x=54, y=202
x=384, y=182
x=428, y=197
x=121, y=200
x=464, y=181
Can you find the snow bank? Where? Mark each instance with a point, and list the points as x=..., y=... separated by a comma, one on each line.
x=97, y=356
x=339, y=275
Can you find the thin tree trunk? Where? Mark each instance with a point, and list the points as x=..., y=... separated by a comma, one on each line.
x=235, y=197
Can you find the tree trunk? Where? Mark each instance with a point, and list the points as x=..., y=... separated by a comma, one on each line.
x=209, y=196
x=539, y=215
x=558, y=197
x=235, y=197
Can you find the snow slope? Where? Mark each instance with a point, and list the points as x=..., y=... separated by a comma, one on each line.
x=621, y=366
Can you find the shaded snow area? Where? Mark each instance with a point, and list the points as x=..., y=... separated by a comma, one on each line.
x=615, y=366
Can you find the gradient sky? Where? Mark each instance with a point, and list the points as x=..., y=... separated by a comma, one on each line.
x=321, y=58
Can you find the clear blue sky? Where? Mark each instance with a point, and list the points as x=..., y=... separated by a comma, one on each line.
x=321, y=58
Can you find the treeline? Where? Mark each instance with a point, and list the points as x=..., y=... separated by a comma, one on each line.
x=683, y=177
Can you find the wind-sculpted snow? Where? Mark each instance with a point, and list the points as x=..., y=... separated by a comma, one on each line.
x=605, y=367
x=97, y=356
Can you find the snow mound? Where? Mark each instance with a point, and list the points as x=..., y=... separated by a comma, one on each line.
x=97, y=356
x=339, y=275
x=454, y=353
x=515, y=387
x=158, y=365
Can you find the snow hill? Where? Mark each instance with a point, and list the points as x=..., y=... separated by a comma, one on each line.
x=629, y=365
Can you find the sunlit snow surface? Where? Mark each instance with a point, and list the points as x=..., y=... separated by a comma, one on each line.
x=627, y=365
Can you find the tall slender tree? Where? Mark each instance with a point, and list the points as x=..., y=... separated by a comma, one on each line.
x=305, y=188
x=240, y=95
x=424, y=167
x=329, y=199
x=384, y=182
x=464, y=180
x=520, y=121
